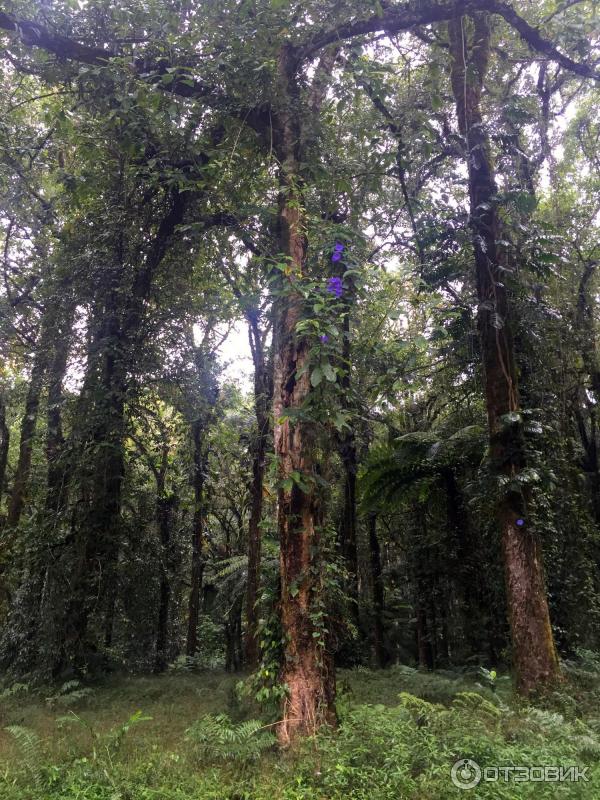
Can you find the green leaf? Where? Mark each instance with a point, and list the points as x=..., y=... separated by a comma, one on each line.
x=316, y=376
x=328, y=371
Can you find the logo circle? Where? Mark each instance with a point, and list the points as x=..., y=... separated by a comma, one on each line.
x=465, y=773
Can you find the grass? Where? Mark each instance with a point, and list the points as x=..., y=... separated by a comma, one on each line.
x=400, y=733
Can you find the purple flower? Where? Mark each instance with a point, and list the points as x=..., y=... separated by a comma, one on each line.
x=520, y=522
x=338, y=247
x=324, y=338
x=336, y=256
x=334, y=286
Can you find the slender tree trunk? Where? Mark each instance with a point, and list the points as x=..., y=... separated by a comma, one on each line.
x=424, y=649
x=57, y=480
x=534, y=654
x=307, y=669
x=26, y=620
x=348, y=454
x=262, y=399
x=585, y=327
x=254, y=551
x=164, y=514
x=198, y=433
x=28, y=426
x=4, y=444
x=467, y=568
x=378, y=593
x=233, y=631
x=348, y=522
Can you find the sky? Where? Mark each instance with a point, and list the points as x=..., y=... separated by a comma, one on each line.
x=236, y=357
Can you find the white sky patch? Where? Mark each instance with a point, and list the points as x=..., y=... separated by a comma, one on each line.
x=236, y=357
x=234, y=354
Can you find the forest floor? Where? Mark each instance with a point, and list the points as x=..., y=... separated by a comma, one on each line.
x=400, y=733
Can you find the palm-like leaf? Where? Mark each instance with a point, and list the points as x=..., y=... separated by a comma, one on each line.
x=417, y=458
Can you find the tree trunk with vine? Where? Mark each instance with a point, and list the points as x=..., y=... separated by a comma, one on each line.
x=534, y=654
x=307, y=671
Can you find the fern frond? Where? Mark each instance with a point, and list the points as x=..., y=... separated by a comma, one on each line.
x=216, y=738
x=30, y=747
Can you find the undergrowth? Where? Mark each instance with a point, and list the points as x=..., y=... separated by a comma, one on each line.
x=400, y=733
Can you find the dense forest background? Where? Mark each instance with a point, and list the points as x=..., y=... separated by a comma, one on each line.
x=395, y=209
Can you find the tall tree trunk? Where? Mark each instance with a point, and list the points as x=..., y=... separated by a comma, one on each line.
x=4, y=445
x=57, y=476
x=197, y=571
x=233, y=629
x=378, y=593
x=262, y=399
x=585, y=328
x=424, y=648
x=534, y=654
x=307, y=669
x=90, y=551
x=164, y=514
x=348, y=454
x=28, y=426
x=466, y=572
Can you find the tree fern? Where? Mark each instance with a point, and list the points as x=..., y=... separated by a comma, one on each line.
x=417, y=458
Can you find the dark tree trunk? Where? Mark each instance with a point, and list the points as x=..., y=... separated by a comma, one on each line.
x=164, y=514
x=585, y=328
x=262, y=400
x=26, y=620
x=424, y=649
x=534, y=655
x=233, y=637
x=467, y=567
x=117, y=335
x=58, y=474
x=381, y=656
x=347, y=537
x=28, y=426
x=89, y=555
x=348, y=454
x=4, y=445
x=198, y=479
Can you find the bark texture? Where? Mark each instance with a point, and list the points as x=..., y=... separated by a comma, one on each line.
x=262, y=399
x=381, y=656
x=4, y=445
x=534, y=655
x=28, y=426
x=307, y=670
x=197, y=567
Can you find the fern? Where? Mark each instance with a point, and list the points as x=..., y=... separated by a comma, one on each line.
x=15, y=690
x=217, y=738
x=114, y=738
x=229, y=566
x=30, y=747
x=69, y=694
x=416, y=459
x=473, y=703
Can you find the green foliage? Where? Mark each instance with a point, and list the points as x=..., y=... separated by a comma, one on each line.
x=30, y=749
x=217, y=738
x=70, y=693
x=105, y=744
x=415, y=461
x=391, y=742
x=264, y=685
x=15, y=690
